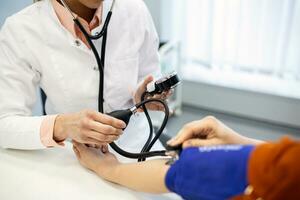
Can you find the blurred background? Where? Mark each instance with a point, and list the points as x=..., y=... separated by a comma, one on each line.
x=239, y=61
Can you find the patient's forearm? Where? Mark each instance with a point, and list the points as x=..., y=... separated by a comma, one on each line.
x=146, y=176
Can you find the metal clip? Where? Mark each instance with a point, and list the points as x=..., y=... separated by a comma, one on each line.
x=173, y=157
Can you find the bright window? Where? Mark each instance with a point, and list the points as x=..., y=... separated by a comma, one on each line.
x=248, y=44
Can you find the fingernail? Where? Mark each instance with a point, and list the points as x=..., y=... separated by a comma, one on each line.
x=121, y=126
x=171, y=141
x=187, y=144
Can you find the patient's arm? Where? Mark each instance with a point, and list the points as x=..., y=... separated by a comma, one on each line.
x=146, y=176
x=216, y=172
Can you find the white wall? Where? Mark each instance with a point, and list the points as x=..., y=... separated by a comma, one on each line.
x=9, y=7
x=155, y=9
x=167, y=18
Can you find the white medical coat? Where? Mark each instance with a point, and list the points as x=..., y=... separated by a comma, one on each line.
x=36, y=50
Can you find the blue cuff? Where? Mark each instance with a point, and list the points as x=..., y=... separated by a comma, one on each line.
x=216, y=172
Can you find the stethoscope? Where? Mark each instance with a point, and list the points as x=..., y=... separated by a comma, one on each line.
x=90, y=38
x=163, y=84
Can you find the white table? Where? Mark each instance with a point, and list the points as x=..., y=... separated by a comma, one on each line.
x=56, y=174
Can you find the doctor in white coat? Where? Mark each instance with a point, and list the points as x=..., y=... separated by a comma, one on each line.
x=41, y=47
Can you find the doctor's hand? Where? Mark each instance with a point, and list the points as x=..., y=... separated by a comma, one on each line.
x=153, y=105
x=88, y=127
x=209, y=131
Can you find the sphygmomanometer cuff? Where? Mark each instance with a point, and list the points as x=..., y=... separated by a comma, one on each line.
x=217, y=172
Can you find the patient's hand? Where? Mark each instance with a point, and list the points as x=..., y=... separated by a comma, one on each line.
x=94, y=159
x=209, y=131
x=146, y=176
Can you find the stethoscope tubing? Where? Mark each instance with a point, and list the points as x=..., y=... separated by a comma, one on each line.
x=100, y=62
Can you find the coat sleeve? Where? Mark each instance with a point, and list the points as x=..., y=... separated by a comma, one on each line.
x=18, y=83
x=148, y=53
x=278, y=163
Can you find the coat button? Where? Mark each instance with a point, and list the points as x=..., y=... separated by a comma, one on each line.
x=77, y=42
x=95, y=68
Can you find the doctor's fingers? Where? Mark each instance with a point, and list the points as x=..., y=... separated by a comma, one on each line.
x=163, y=96
x=155, y=106
x=101, y=138
x=106, y=119
x=103, y=128
x=142, y=88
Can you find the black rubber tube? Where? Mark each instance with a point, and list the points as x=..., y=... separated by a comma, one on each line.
x=144, y=149
x=99, y=63
x=147, y=153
